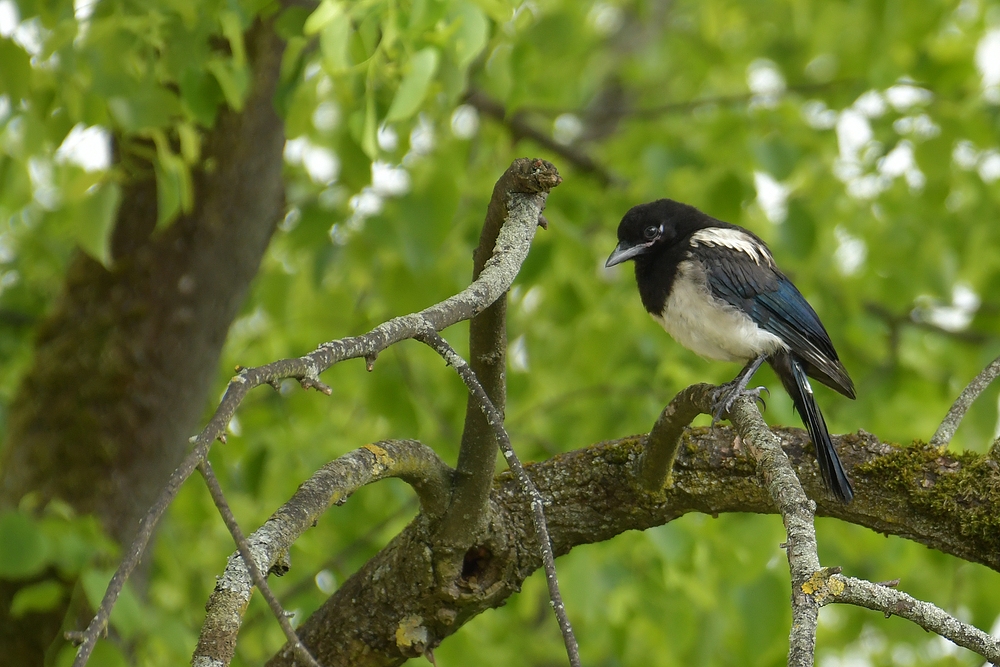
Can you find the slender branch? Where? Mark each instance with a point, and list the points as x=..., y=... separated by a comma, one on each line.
x=249, y=561
x=520, y=128
x=333, y=484
x=797, y=513
x=743, y=98
x=895, y=322
x=495, y=420
x=532, y=178
x=964, y=401
x=828, y=586
x=646, y=113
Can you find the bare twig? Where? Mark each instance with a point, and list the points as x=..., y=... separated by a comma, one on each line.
x=88, y=639
x=896, y=321
x=520, y=128
x=495, y=419
x=724, y=100
x=964, y=401
x=531, y=179
x=646, y=113
x=250, y=563
x=333, y=484
x=797, y=513
x=827, y=586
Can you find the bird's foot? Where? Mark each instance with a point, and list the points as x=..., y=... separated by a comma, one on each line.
x=724, y=396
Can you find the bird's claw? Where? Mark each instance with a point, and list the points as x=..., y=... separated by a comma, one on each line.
x=724, y=397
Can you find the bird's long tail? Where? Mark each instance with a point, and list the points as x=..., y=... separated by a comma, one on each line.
x=793, y=377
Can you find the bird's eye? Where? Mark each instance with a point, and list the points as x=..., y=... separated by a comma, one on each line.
x=651, y=232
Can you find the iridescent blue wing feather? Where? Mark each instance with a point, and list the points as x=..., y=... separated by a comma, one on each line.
x=770, y=299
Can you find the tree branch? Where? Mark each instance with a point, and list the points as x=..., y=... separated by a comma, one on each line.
x=964, y=401
x=534, y=178
x=333, y=484
x=466, y=518
x=592, y=494
x=812, y=586
x=828, y=586
x=797, y=513
x=250, y=566
x=520, y=128
x=537, y=503
x=660, y=451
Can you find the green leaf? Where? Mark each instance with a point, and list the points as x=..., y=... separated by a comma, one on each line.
x=127, y=614
x=149, y=107
x=174, y=191
x=369, y=138
x=334, y=43
x=413, y=89
x=499, y=10
x=232, y=29
x=233, y=79
x=291, y=22
x=23, y=551
x=15, y=184
x=94, y=221
x=776, y=155
x=473, y=31
x=327, y=11
x=42, y=596
x=15, y=75
x=201, y=95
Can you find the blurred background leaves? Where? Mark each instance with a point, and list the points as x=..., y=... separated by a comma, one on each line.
x=860, y=139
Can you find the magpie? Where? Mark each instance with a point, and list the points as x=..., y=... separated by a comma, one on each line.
x=716, y=289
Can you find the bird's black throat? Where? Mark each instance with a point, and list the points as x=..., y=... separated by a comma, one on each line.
x=655, y=272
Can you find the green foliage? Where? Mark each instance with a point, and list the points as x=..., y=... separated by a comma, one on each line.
x=371, y=89
x=56, y=539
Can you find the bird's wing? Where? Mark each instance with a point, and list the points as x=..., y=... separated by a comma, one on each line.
x=760, y=290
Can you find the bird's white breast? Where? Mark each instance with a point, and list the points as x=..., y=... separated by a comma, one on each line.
x=709, y=326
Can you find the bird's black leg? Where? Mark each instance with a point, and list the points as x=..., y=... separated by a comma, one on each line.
x=725, y=395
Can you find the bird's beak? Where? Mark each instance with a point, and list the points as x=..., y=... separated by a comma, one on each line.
x=623, y=253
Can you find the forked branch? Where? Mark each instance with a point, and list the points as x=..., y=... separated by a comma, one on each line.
x=333, y=484
x=537, y=503
x=530, y=180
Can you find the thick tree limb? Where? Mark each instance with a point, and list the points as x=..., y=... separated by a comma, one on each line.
x=533, y=177
x=99, y=420
x=797, y=512
x=962, y=404
x=592, y=494
x=333, y=484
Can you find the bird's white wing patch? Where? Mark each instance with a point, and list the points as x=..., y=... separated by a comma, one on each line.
x=734, y=239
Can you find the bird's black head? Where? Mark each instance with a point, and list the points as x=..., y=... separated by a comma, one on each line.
x=648, y=229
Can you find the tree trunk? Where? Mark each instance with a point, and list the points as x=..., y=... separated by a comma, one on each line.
x=123, y=365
